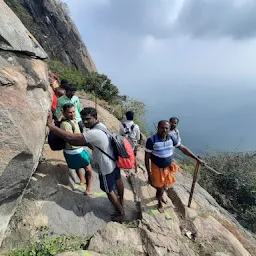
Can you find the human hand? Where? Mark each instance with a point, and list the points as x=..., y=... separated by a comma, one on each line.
x=49, y=118
x=201, y=162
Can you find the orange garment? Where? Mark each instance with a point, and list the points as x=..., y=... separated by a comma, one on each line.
x=163, y=177
x=54, y=101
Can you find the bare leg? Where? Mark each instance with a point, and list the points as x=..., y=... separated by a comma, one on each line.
x=88, y=176
x=114, y=200
x=164, y=200
x=120, y=191
x=136, y=167
x=81, y=176
x=159, y=196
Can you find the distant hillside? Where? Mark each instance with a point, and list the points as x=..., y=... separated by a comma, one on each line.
x=51, y=25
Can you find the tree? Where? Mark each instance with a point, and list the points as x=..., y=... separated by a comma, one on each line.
x=73, y=75
x=101, y=86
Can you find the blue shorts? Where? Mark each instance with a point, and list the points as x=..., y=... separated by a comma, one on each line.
x=108, y=182
x=77, y=161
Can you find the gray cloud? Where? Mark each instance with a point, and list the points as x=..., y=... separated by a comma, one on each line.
x=217, y=18
x=196, y=18
x=136, y=17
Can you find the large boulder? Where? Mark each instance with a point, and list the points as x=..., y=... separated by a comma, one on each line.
x=116, y=239
x=25, y=101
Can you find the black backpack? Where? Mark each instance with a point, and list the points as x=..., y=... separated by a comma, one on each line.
x=55, y=142
x=117, y=144
x=127, y=133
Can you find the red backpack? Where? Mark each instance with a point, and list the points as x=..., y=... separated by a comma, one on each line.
x=122, y=149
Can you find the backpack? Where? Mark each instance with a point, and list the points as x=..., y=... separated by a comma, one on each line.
x=127, y=132
x=123, y=151
x=55, y=142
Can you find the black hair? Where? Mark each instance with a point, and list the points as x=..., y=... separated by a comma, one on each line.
x=67, y=106
x=89, y=111
x=64, y=83
x=129, y=115
x=162, y=122
x=70, y=88
x=174, y=118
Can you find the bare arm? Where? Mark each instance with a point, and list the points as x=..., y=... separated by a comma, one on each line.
x=75, y=139
x=187, y=152
x=138, y=133
x=147, y=162
x=72, y=138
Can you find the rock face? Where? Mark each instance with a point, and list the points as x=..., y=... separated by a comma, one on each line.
x=55, y=31
x=25, y=101
x=52, y=205
x=118, y=240
x=203, y=229
x=19, y=39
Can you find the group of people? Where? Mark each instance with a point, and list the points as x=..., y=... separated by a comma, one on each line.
x=72, y=119
x=67, y=120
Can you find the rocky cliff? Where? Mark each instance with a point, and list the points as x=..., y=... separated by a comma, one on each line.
x=53, y=206
x=51, y=25
x=40, y=204
x=24, y=101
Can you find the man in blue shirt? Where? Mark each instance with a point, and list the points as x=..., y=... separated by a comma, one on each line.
x=159, y=159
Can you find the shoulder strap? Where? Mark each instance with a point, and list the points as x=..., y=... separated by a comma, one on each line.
x=72, y=125
x=102, y=151
x=108, y=133
x=124, y=125
x=99, y=127
x=132, y=127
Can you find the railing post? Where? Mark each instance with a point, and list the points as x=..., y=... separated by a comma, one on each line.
x=193, y=183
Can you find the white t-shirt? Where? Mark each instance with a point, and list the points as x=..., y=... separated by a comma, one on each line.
x=100, y=162
x=135, y=132
x=176, y=135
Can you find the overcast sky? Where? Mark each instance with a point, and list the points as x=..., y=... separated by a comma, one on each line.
x=173, y=49
x=139, y=41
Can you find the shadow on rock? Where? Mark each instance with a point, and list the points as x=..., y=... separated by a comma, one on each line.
x=50, y=204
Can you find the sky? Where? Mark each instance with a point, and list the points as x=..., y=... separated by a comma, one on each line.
x=181, y=57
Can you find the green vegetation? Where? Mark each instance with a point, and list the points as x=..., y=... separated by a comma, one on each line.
x=24, y=16
x=138, y=108
x=235, y=189
x=97, y=84
x=100, y=86
x=73, y=75
x=52, y=246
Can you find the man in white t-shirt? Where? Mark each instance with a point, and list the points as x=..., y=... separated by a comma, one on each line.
x=130, y=130
x=98, y=140
x=174, y=121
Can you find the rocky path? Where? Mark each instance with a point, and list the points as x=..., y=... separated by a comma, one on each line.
x=53, y=201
